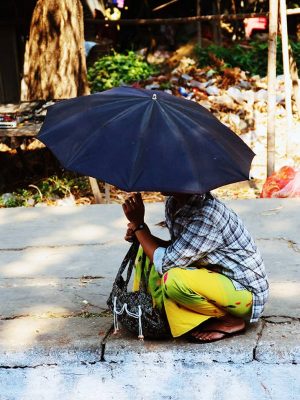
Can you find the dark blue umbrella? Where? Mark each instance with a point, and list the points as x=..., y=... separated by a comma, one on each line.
x=144, y=140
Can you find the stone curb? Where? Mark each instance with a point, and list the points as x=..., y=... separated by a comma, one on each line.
x=31, y=342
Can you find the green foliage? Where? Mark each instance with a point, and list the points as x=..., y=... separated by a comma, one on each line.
x=14, y=201
x=114, y=70
x=252, y=58
x=49, y=189
x=55, y=187
x=165, y=85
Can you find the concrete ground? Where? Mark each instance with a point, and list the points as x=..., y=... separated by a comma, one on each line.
x=57, y=266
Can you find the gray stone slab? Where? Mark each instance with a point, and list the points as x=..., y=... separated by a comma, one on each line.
x=53, y=297
x=128, y=349
x=283, y=299
x=51, y=226
x=282, y=261
x=46, y=252
x=174, y=381
x=270, y=218
x=88, y=258
x=57, y=226
x=279, y=343
x=93, y=259
x=102, y=262
x=63, y=261
x=28, y=342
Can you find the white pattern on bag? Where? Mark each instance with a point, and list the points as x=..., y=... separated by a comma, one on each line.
x=131, y=314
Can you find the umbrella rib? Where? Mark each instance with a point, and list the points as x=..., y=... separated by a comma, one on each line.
x=220, y=142
x=144, y=122
x=91, y=137
x=83, y=111
x=179, y=134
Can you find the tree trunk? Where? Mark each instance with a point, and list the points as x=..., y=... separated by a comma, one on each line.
x=54, y=63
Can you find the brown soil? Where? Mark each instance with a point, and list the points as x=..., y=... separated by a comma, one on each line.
x=21, y=168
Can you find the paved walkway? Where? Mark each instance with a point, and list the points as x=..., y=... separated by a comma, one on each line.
x=57, y=266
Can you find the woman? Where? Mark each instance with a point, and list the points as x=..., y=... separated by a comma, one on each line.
x=210, y=277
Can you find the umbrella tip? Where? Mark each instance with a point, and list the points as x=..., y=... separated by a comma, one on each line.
x=154, y=97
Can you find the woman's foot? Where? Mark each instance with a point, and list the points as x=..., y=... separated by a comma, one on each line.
x=218, y=328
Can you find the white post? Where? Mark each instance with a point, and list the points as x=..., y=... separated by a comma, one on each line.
x=273, y=23
x=95, y=190
x=107, y=192
x=286, y=69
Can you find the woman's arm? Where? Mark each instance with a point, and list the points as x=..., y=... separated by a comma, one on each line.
x=134, y=210
x=130, y=236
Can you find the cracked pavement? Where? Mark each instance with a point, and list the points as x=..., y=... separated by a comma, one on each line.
x=57, y=266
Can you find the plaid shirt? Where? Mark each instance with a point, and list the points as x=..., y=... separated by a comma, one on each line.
x=204, y=232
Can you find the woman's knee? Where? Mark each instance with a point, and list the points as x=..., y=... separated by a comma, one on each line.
x=171, y=283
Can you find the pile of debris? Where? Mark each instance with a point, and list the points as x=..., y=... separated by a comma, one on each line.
x=239, y=101
x=230, y=93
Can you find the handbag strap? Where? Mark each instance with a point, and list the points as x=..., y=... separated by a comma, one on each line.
x=129, y=260
x=145, y=276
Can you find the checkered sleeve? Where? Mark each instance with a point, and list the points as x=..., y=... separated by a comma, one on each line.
x=199, y=237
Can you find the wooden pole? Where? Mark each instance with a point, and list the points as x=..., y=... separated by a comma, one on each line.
x=295, y=79
x=216, y=25
x=219, y=23
x=233, y=6
x=184, y=20
x=293, y=11
x=95, y=190
x=171, y=21
x=199, y=27
x=107, y=192
x=164, y=5
x=272, y=42
x=286, y=71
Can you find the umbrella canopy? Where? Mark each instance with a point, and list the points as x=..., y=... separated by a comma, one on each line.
x=144, y=140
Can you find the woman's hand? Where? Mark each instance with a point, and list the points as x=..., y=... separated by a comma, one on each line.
x=134, y=210
x=129, y=235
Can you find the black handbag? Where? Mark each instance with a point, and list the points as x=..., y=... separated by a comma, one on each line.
x=135, y=309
